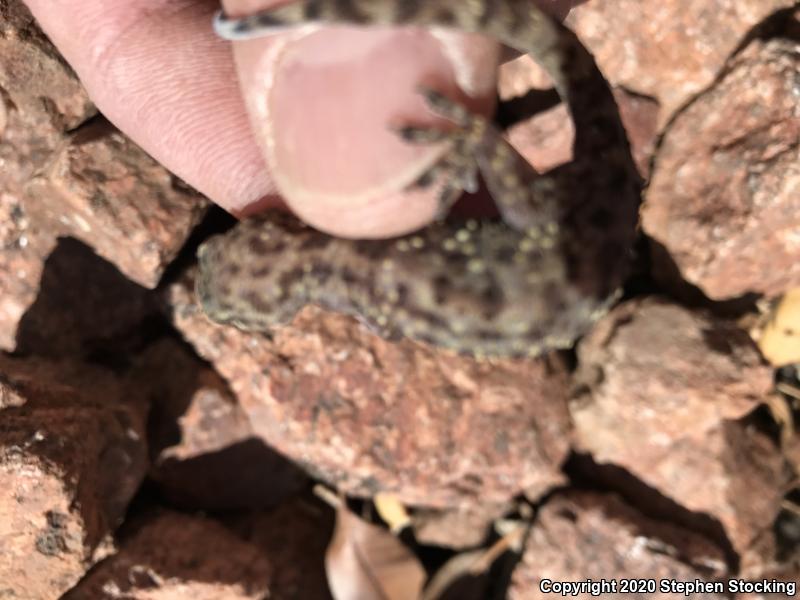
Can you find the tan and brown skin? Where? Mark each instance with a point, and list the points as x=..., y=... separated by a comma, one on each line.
x=535, y=280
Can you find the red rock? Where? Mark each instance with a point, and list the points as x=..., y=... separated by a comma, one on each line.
x=93, y=184
x=194, y=412
x=545, y=140
x=85, y=307
x=459, y=529
x=205, y=456
x=36, y=81
x=669, y=51
x=25, y=248
x=773, y=558
x=104, y=190
x=776, y=585
x=663, y=394
x=294, y=538
x=658, y=55
x=366, y=415
x=724, y=200
x=72, y=455
x=639, y=115
x=177, y=557
x=582, y=536
x=38, y=91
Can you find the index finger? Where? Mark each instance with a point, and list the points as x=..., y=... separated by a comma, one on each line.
x=157, y=71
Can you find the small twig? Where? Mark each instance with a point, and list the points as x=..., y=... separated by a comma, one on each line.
x=781, y=412
x=790, y=506
x=506, y=542
x=788, y=389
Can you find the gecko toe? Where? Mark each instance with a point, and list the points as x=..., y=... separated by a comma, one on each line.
x=454, y=178
x=263, y=23
x=445, y=107
x=422, y=135
x=426, y=179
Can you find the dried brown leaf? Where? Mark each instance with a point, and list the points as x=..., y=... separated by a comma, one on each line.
x=365, y=562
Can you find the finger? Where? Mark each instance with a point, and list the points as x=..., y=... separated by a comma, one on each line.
x=156, y=70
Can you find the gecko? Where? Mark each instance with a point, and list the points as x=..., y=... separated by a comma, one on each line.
x=534, y=280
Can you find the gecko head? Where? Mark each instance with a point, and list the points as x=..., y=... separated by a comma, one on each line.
x=215, y=281
x=241, y=276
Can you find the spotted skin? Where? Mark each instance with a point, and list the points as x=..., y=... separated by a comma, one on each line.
x=532, y=281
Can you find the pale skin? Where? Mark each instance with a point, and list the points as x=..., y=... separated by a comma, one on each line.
x=156, y=70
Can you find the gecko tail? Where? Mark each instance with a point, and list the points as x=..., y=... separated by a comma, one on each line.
x=264, y=23
x=277, y=19
x=445, y=13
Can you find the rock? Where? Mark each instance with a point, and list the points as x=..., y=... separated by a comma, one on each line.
x=777, y=585
x=204, y=453
x=545, y=140
x=72, y=455
x=177, y=557
x=663, y=392
x=668, y=51
x=39, y=99
x=37, y=83
x=580, y=536
x=366, y=415
x=459, y=529
x=63, y=176
x=244, y=475
x=85, y=308
x=25, y=248
x=293, y=537
x=194, y=412
x=724, y=201
x=657, y=55
x=104, y=190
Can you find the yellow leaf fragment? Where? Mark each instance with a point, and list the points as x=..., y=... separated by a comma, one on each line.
x=780, y=340
x=392, y=511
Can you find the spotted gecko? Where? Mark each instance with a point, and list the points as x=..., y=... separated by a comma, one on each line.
x=533, y=280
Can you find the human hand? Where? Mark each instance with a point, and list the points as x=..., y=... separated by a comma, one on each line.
x=321, y=104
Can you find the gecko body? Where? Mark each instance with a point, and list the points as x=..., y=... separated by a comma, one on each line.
x=534, y=280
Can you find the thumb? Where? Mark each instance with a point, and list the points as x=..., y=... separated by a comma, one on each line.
x=323, y=102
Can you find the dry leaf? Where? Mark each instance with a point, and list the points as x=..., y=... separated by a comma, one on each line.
x=365, y=562
x=392, y=511
x=780, y=340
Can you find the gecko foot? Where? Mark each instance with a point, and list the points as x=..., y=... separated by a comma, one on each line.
x=457, y=169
